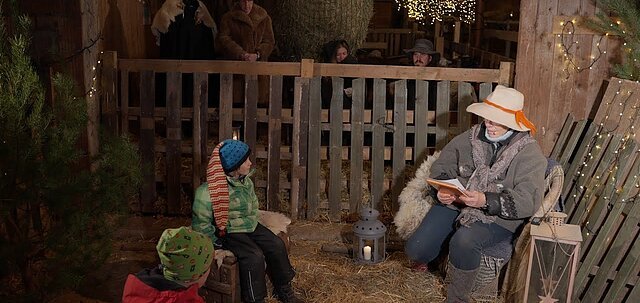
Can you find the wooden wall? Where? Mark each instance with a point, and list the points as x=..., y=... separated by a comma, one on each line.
x=550, y=93
x=125, y=28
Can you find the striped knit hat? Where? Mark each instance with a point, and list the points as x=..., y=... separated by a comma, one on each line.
x=227, y=156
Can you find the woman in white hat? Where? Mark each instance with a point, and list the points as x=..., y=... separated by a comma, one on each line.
x=503, y=169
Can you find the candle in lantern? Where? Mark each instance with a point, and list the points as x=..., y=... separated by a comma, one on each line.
x=367, y=252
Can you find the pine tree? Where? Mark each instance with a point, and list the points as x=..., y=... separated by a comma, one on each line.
x=622, y=18
x=56, y=216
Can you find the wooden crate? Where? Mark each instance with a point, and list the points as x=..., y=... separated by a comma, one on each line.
x=223, y=284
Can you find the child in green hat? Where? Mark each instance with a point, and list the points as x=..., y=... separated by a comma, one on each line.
x=185, y=257
x=226, y=209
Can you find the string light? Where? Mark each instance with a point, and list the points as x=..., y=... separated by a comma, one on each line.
x=567, y=34
x=437, y=10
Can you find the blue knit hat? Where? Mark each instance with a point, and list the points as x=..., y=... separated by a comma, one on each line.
x=232, y=154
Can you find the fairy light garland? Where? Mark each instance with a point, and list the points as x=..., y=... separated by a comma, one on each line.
x=96, y=70
x=598, y=187
x=568, y=45
x=437, y=10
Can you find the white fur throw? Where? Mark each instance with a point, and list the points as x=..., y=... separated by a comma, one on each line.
x=275, y=222
x=414, y=200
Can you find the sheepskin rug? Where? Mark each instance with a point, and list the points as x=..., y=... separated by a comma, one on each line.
x=414, y=200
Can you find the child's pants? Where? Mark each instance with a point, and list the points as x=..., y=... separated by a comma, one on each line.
x=253, y=250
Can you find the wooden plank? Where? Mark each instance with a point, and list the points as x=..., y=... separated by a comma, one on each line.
x=306, y=68
x=466, y=96
x=200, y=103
x=147, y=139
x=313, y=165
x=572, y=142
x=600, y=246
x=399, y=142
x=124, y=102
x=275, y=139
x=250, y=115
x=511, y=36
x=225, y=128
x=357, y=145
x=335, y=147
x=174, y=136
x=594, y=179
x=422, y=99
x=442, y=114
x=319, y=69
x=628, y=273
x=564, y=133
x=407, y=72
x=507, y=72
x=485, y=90
x=299, y=147
x=212, y=66
x=377, y=144
x=586, y=146
x=109, y=92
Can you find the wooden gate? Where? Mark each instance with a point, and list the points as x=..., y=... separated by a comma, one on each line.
x=178, y=110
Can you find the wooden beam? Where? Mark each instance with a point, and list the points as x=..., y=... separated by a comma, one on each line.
x=511, y=36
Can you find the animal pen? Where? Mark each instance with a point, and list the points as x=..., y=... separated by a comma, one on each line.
x=313, y=161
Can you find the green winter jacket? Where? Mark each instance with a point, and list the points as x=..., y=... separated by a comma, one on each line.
x=243, y=208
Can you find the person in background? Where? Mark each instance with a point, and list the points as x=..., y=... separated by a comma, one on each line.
x=502, y=167
x=225, y=208
x=339, y=52
x=246, y=33
x=185, y=257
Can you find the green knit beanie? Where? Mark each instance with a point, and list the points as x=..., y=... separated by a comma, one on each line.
x=185, y=254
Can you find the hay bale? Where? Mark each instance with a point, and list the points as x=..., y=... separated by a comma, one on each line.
x=302, y=27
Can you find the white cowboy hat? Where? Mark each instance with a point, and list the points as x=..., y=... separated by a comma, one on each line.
x=504, y=105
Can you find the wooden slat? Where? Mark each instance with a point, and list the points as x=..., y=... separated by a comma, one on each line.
x=628, y=272
x=572, y=142
x=357, y=145
x=571, y=173
x=200, y=103
x=567, y=127
x=466, y=96
x=594, y=177
x=275, y=134
x=174, y=136
x=147, y=138
x=442, y=114
x=211, y=66
x=313, y=172
x=406, y=72
x=299, y=147
x=377, y=153
x=124, y=102
x=600, y=245
x=422, y=93
x=250, y=115
x=225, y=128
x=399, y=141
x=335, y=148
x=109, y=92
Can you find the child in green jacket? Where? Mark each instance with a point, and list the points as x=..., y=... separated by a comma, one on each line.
x=226, y=209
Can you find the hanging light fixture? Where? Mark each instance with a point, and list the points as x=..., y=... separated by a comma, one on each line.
x=436, y=10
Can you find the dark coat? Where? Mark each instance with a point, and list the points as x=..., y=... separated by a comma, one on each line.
x=241, y=33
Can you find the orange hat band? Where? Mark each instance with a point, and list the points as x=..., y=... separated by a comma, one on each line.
x=520, y=117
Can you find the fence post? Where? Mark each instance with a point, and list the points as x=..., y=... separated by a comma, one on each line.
x=300, y=135
x=506, y=73
x=108, y=91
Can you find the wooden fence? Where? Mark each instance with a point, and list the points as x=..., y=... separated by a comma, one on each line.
x=311, y=158
x=601, y=159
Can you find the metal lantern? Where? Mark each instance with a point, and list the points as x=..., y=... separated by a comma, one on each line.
x=553, y=261
x=369, y=245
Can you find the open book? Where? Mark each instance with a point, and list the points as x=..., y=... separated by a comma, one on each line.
x=452, y=184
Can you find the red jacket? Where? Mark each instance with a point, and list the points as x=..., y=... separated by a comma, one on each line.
x=148, y=286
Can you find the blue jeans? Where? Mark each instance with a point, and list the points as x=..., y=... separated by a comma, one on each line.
x=466, y=243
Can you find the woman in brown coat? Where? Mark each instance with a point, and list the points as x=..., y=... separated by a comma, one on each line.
x=246, y=33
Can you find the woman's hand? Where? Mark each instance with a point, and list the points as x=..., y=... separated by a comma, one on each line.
x=474, y=199
x=446, y=196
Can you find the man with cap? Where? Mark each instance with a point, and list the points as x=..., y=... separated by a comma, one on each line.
x=185, y=257
x=421, y=55
x=225, y=208
x=502, y=168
